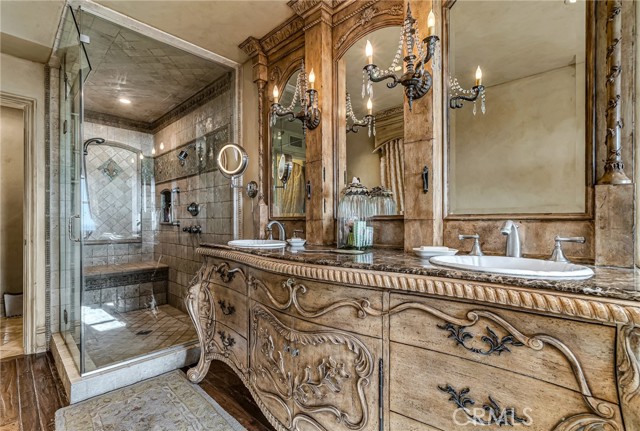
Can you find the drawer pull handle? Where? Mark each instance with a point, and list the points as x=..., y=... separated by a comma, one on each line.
x=492, y=413
x=495, y=344
x=227, y=340
x=227, y=310
x=291, y=350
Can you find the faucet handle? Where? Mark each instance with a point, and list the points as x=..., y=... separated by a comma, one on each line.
x=295, y=233
x=268, y=233
x=475, y=250
x=558, y=255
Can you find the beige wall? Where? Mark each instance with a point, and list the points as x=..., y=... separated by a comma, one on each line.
x=361, y=162
x=526, y=154
x=26, y=79
x=11, y=199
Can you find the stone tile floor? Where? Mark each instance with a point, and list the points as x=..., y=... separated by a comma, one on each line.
x=11, y=340
x=112, y=337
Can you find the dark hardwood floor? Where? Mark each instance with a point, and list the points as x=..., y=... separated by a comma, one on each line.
x=224, y=386
x=30, y=393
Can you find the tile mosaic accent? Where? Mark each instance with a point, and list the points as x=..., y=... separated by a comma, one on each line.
x=201, y=157
x=114, y=192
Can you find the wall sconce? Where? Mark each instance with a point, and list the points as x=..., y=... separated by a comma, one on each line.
x=460, y=94
x=368, y=121
x=416, y=80
x=309, y=114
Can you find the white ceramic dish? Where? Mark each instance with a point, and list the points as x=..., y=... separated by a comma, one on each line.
x=516, y=267
x=428, y=252
x=296, y=242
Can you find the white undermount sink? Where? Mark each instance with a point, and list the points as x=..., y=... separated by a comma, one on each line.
x=516, y=267
x=257, y=243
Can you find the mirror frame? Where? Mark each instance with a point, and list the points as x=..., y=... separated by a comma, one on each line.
x=340, y=121
x=293, y=68
x=590, y=128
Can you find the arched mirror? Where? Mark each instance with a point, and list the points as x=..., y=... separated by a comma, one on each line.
x=527, y=153
x=288, y=159
x=371, y=152
x=232, y=161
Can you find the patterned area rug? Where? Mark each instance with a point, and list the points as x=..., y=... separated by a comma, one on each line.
x=167, y=402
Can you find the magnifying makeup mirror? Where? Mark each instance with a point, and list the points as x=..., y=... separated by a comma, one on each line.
x=232, y=161
x=285, y=166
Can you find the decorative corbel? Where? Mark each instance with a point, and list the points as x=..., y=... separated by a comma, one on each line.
x=614, y=167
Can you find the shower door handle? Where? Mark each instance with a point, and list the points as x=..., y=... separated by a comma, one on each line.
x=70, y=228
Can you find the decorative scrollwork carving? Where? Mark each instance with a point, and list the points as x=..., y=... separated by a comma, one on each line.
x=366, y=16
x=325, y=375
x=496, y=345
x=495, y=415
x=628, y=358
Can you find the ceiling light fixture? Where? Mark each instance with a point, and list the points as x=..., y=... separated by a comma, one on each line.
x=124, y=101
x=416, y=79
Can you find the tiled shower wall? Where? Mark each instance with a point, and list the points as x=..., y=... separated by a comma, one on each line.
x=119, y=252
x=204, y=128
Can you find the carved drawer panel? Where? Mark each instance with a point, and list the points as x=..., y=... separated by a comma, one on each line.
x=231, y=345
x=310, y=377
x=403, y=423
x=223, y=273
x=541, y=347
x=352, y=309
x=452, y=393
x=231, y=308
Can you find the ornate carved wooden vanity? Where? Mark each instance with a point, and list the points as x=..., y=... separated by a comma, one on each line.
x=327, y=343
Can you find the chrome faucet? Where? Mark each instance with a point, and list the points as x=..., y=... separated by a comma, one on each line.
x=510, y=229
x=282, y=236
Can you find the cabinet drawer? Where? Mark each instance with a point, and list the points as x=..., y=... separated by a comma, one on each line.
x=227, y=274
x=231, y=308
x=335, y=306
x=231, y=345
x=451, y=328
x=432, y=388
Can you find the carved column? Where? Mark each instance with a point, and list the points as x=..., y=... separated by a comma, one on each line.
x=423, y=147
x=614, y=167
x=320, y=227
x=253, y=48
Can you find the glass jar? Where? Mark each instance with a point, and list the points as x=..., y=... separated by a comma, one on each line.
x=382, y=201
x=354, y=217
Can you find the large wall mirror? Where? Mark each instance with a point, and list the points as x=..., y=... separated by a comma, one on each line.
x=528, y=153
x=377, y=160
x=288, y=157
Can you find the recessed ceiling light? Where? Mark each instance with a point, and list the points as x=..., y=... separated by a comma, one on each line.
x=570, y=1
x=124, y=101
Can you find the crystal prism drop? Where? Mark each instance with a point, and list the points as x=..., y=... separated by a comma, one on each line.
x=474, y=108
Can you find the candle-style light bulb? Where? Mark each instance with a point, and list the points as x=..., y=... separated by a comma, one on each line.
x=276, y=93
x=370, y=106
x=431, y=23
x=153, y=151
x=312, y=78
x=368, y=50
x=478, y=76
x=161, y=146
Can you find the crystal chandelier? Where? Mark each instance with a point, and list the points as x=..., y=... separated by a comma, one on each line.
x=460, y=94
x=368, y=121
x=416, y=79
x=309, y=113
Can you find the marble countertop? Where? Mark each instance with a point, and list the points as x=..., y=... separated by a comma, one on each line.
x=615, y=283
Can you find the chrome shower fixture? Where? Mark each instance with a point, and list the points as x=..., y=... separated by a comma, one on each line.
x=89, y=142
x=182, y=156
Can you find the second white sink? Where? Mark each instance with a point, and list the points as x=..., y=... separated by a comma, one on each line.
x=516, y=267
x=257, y=243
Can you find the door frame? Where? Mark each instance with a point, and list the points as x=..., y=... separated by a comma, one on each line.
x=33, y=275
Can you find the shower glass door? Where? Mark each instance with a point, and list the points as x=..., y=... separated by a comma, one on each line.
x=73, y=69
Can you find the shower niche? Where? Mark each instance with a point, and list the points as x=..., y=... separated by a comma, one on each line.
x=168, y=204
